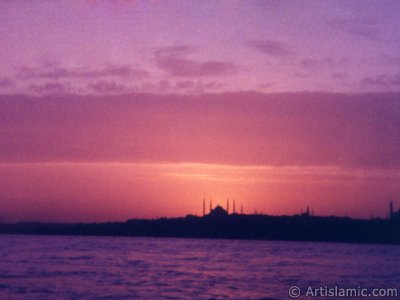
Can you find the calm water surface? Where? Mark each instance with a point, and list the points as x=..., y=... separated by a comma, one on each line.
x=51, y=267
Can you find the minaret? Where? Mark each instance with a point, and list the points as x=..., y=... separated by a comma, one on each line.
x=204, y=207
x=210, y=205
x=234, y=208
x=241, y=209
x=227, y=206
x=391, y=210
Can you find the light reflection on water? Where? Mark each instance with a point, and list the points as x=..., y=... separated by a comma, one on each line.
x=52, y=267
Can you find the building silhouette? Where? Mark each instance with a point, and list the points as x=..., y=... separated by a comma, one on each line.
x=306, y=213
x=219, y=224
x=393, y=215
x=218, y=212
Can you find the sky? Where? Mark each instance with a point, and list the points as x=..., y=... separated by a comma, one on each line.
x=111, y=110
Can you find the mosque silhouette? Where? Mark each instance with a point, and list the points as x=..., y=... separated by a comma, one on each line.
x=224, y=223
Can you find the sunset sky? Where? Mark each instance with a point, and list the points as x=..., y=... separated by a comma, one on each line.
x=111, y=110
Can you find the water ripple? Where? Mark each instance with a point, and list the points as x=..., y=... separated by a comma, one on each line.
x=46, y=267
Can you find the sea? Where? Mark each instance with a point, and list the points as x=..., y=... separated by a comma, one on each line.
x=84, y=267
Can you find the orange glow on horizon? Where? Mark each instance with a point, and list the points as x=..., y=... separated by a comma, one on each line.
x=156, y=105
x=103, y=191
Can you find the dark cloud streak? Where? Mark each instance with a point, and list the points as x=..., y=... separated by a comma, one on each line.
x=50, y=88
x=119, y=71
x=361, y=28
x=6, y=82
x=313, y=64
x=313, y=129
x=174, y=61
x=271, y=47
x=382, y=80
x=107, y=87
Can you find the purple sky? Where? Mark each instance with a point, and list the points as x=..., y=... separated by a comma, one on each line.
x=199, y=46
x=111, y=110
